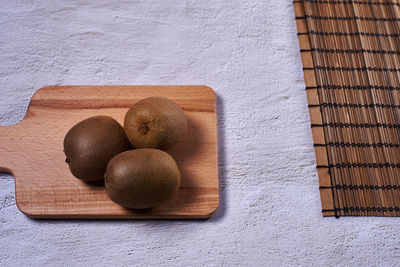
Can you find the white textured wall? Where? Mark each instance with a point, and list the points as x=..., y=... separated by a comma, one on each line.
x=247, y=51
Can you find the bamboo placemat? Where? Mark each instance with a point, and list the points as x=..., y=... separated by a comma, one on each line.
x=351, y=60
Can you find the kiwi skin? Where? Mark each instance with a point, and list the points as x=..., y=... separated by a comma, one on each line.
x=90, y=144
x=155, y=122
x=142, y=178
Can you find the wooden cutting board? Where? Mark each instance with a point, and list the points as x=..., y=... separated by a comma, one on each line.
x=32, y=151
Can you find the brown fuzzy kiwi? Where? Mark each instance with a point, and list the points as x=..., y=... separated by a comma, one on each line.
x=142, y=178
x=91, y=143
x=155, y=122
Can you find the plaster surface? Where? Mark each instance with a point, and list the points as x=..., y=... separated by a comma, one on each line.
x=248, y=52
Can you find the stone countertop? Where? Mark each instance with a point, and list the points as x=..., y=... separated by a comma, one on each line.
x=248, y=52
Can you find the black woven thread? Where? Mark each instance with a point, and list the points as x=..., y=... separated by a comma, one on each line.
x=357, y=87
x=311, y=87
x=356, y=125
x=349, y=105
x=361, y=165
x=350, y=18
x=363, y=187
x=329, y=68
x=353, y=209
x=374, y=145
x=351, y=51
x=353, y=2
x=368, y=34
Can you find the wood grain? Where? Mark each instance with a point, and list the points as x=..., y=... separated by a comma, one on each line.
x=32, y=151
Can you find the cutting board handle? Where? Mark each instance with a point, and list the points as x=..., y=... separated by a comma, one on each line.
x=7, y=141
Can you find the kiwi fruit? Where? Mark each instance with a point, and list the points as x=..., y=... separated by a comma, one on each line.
x=155, y=122
x=90, y=144
x=142, y=178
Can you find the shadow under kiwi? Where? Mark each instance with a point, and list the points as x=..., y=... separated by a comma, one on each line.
x=183, y=153
x=96, y=184
x=190, y=145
